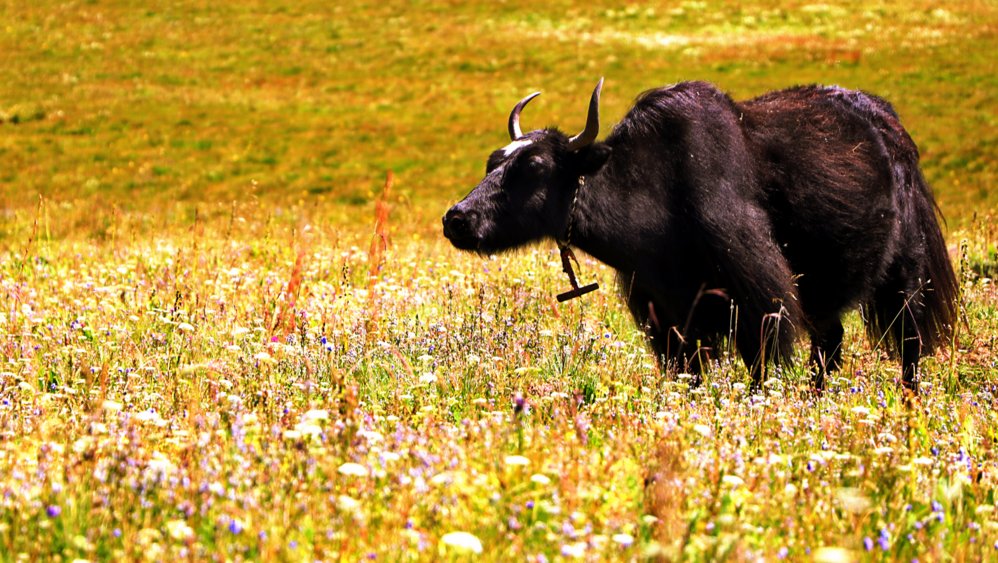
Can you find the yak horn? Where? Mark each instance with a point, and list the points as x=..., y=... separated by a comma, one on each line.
x=514, y=117
x=588, y=135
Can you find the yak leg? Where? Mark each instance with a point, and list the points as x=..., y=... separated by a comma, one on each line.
x=754, y=354
x=911, y=351
x=689, y=349
x=756, y=275
x=665, y=343
x=899, y=311
x=696, y=359
x=673, y=350
x=826, y=350
x=770, y=342
x=674, y=353
x=909, y=342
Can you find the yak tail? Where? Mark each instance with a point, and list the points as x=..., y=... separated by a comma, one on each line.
x=921, y=288
x=942, y=292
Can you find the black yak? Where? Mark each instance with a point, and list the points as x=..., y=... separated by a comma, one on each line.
x=756, y=221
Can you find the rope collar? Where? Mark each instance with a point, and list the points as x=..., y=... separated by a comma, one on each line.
x=567, y=256
x=571, y=213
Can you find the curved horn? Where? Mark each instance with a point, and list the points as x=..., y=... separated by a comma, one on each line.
x=588, y=135
x=514, y=117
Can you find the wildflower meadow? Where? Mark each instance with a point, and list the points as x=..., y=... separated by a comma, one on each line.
x=232, y=330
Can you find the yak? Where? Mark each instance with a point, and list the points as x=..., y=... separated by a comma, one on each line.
x=753, y=221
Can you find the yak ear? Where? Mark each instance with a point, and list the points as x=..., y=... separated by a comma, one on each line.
x=592, y=158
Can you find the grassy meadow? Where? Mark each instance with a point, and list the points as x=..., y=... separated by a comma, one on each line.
x=223, y=338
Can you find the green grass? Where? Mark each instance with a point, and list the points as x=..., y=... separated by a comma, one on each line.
x=198, y=362
x=194, y=103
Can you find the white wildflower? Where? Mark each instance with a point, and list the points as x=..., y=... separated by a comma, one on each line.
x=462, y=541
x=540, y=479
x=625, y=540
x=179, y=530
x=517, y=460
x=353, y=469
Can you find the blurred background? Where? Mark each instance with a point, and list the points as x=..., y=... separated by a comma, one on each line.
x=157, y=113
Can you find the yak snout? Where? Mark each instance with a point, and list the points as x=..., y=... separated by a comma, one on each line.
x=461, y=227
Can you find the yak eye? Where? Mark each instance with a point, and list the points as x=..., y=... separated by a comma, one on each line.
x=537, y=163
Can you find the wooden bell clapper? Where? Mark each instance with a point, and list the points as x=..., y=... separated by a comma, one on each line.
x=566, y=263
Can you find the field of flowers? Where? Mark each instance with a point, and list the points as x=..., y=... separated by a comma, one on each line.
x=220, y=339
x=252, y=388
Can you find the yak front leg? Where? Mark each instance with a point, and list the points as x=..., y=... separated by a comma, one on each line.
x=826, y=350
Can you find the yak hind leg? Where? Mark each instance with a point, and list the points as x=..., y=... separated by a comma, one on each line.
x=826, y=350
x=898, y=315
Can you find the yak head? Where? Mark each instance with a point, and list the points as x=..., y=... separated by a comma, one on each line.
x=529, y=186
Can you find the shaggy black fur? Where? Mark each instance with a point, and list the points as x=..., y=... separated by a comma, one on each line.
x=755, y=220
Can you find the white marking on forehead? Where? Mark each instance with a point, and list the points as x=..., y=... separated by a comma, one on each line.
x=512, y=147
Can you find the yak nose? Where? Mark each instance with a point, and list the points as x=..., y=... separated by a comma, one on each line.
x=460, y=225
